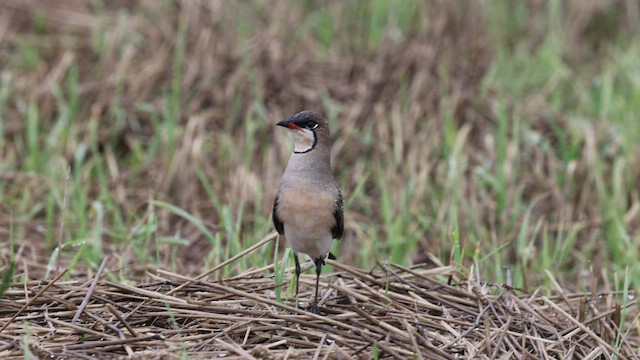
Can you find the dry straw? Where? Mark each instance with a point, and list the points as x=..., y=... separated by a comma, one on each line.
x=392, y=311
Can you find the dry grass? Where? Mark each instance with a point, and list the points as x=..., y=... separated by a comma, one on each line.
x=388, y=312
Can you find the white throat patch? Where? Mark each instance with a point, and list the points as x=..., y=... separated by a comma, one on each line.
x=304, y=140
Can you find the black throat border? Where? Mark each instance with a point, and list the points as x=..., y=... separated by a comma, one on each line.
x=313, y=146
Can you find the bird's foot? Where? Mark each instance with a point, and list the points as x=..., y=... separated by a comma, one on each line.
x=315, y=308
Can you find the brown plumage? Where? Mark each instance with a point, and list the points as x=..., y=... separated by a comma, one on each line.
x=308, y=205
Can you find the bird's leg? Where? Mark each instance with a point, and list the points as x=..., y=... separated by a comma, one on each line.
x=319, y=262
x=298, y=271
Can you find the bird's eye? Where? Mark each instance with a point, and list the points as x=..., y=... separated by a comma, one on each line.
x=311, y=124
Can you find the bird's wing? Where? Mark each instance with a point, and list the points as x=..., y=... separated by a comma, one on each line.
x=338, y=215
x=276, y=220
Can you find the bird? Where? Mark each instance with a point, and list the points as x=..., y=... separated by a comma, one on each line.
x=308, y=204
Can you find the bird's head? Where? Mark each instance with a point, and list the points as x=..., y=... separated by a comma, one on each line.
x=307, y=129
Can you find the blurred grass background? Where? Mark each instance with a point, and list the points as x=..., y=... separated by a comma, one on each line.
x=492, y=134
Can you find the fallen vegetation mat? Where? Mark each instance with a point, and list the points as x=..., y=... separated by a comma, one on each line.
x=389, y=312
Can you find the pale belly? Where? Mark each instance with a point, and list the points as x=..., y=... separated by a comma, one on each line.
x=307, y=222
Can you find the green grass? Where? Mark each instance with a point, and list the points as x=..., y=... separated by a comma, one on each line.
x=510, y=143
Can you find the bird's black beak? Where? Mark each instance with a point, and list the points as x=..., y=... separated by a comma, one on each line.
x=288, y=124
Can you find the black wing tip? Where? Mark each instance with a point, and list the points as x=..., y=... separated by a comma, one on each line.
x=332, y=257
x=338, y=214
x=337, y=232
x=277, y=223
